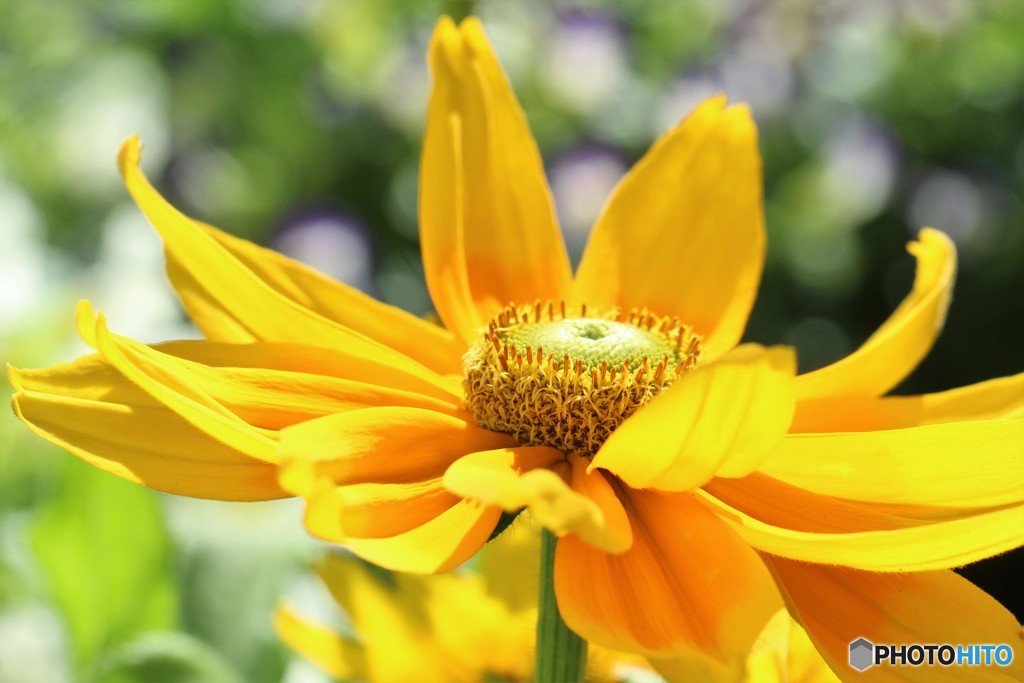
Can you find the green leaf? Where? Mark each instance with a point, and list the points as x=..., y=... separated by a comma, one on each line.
x=164, y=657
x=105, y=554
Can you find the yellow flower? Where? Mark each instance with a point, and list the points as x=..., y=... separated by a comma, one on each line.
x=458, y=627
x=782, y=653
x=423, y=628
x=479, y=626
x=694, y=484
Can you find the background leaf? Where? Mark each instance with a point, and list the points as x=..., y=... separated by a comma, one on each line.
x=106, y=556
x=164, y=657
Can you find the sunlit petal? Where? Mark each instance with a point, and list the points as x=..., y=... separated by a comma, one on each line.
x=339, y=656
x=312, y=360
x=784, y=654
x=397, y=445
x=258, y=393
x=698, y=666
x=687, y=585
x=372, y=480
x=996, y=399
x=443, y=543
x=386, y=623
x=450, y=623
x=415, y=337
x=837, y=605
x=481, y=637
x=683, y=233
x=487, y=224
x=895, y=349
x=228, y=300
x=564, y=498
x=957, y=464
x=115, y=426
x=160, y=378
x=382, y=510
x=721, y=419
x=800, y=525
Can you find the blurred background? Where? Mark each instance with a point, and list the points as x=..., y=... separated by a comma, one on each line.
x=297, y=124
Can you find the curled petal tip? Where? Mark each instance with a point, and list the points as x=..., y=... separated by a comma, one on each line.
x=84, y=310
x=931, y=235
x=444, y=29
x=472, y=26
x=86, y=322
x=783, y=358
x=739, y=108
x=130, y=153
x=14, y=378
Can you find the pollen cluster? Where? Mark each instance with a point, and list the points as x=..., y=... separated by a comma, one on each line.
x=554, y=377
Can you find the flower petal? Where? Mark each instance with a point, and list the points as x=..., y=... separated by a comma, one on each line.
x=895, y=349
x=387, y=622
x=516, y=478
x=115, y=426
x=687, y=585
x=996, y=399
x=419, y=339
x=615, y=534
x=274, y=399
x=837, y=605
x=487, y=224
x=421, y=529
x=700, y=667
x=449, y=622
x=958, y=464
x=230, y=302
x=443, y=543
x=502, y=562
x=496, y=477
x=804, y=663
x=252, y=388
x=312, y=360
x=784, y=654
x=481, y=638
x=800, y=525
x=383, y=510
x=325, y=509
x=379, y=445
x=372, y=481
x=683, y=233
x=173, y=388
x=339, y=656
x=721, y=419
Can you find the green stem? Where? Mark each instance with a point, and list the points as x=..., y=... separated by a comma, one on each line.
x=561, y=654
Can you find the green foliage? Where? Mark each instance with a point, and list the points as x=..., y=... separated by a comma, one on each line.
x=227, y=598
x=106, y=555
x=164, y=658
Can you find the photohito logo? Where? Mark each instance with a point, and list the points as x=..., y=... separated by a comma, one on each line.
x=864, y=654
x=861, y=654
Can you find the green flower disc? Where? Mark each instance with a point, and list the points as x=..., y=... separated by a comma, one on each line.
x=593, y=341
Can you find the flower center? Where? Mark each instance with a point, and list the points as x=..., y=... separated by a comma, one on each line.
x=569, y=379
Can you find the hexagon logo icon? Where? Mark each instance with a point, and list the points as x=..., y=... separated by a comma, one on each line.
x=862, y=654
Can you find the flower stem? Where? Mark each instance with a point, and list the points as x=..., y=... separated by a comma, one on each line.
x=561, y=654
